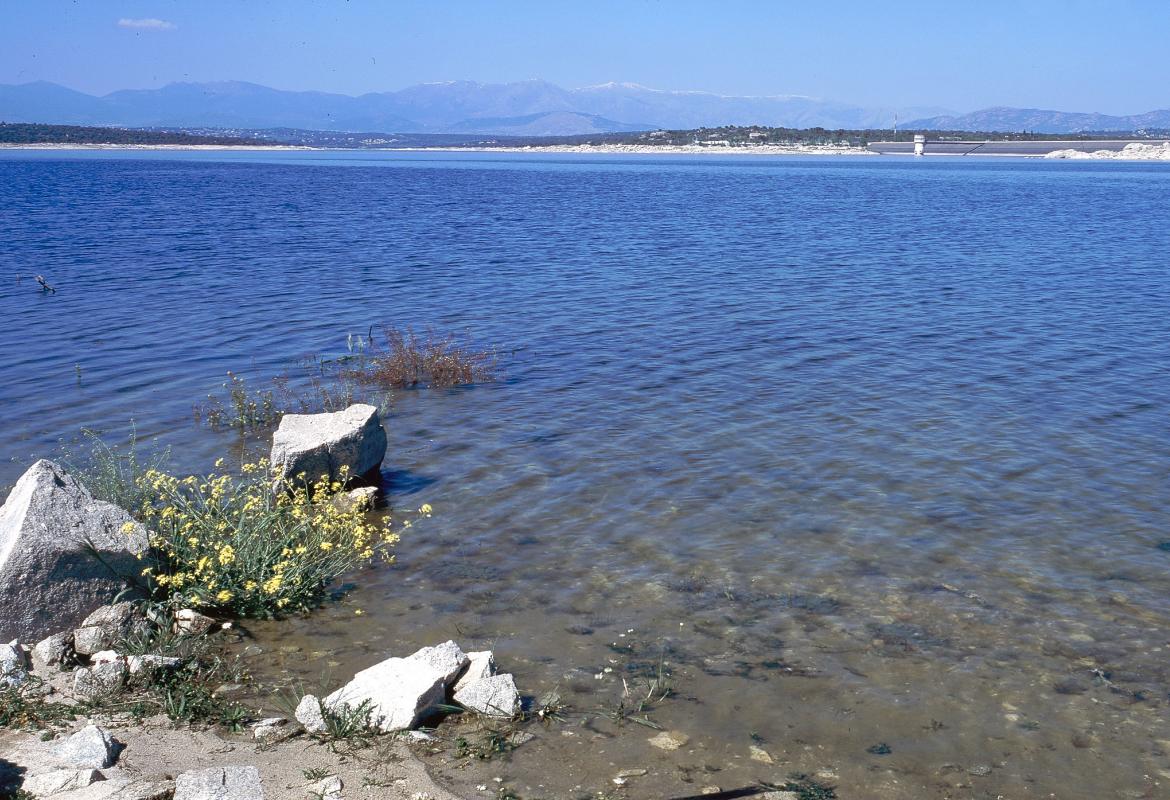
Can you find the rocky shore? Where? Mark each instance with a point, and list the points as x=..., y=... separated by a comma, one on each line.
x=90, y=654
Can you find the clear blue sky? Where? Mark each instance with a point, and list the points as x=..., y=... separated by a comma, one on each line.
x=1075, y=55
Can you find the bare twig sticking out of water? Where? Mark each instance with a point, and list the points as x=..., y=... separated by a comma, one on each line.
x=45, y=287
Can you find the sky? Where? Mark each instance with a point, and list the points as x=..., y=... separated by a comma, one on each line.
x=1072, y=55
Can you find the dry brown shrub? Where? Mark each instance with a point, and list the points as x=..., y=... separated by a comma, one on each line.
x=408, y=359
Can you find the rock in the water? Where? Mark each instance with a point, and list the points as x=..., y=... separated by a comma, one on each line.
x=398, y=691
x=90, y=748
x=48, y=578
x=309, y=714
x=54, y=650
x=190, y=621
x=760, y=754
x=483, y=665
x=327, y=789
x=362, y=498
x=62, y=780
x=494, y=697
x=219, y=783
x=319, y=445
x=670, y=740
x=100, y=680
x=13, y=664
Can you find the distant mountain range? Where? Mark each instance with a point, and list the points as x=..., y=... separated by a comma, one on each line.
x=1042, y=121
x=526, y=108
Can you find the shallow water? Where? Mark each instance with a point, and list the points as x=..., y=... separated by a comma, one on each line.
x=867, y=451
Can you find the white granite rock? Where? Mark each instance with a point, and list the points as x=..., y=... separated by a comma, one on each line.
x=49, y=580
x=100, y=680
x=149, y=663
x=483, y=665
x=190, y=621
x=62, y=780
x=309, y=714
x=53, y=650
x=399, y=691
x=319, y=445
x=219, y=783
x=327, y=789
x=496, y=696
x=13, y=664
x=90, y=748
x=268, y=730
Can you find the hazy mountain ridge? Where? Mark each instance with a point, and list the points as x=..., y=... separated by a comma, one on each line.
x=456, y=106
x=530, y=108
x=1002, y=118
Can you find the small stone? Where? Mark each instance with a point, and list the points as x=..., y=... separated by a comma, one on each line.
x=118, y=620
x=54, y=650
x=90, y=748
x=496, y=696
x=191, y=622
x=101, y=680
x=362, y=498
x=417, y=736
x=147, y=789
x=980, y=770
x=760, y=754
x=670, y=740
x=149, y=663
x=309, y=714
x=521, y=737
x=327, y=789
x=779, y=796
x=228, y=689
x=219, y=783
x=710, y=790
x=13, y=664
x=62, y=780
x=104, y=657
x=483, y=665
x=631, y=773
x=91, y=639
x=268, y=730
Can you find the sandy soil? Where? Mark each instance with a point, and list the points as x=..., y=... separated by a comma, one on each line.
x=156, y=748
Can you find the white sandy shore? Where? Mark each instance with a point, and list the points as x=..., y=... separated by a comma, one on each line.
x=1137, y=151
x=660, y=149
x=67, y=146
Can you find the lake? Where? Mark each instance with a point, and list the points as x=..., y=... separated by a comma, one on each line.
x=871, y=454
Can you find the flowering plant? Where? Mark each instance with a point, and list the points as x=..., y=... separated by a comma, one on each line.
x=231, y=543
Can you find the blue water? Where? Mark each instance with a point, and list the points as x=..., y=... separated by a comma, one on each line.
x=901, y=424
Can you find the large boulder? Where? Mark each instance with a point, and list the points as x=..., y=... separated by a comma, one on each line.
x=319, y=445
x=398, y=692
x=49, y=578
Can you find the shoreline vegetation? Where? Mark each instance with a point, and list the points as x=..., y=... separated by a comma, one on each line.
x=195, y=557
x=733, y=140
